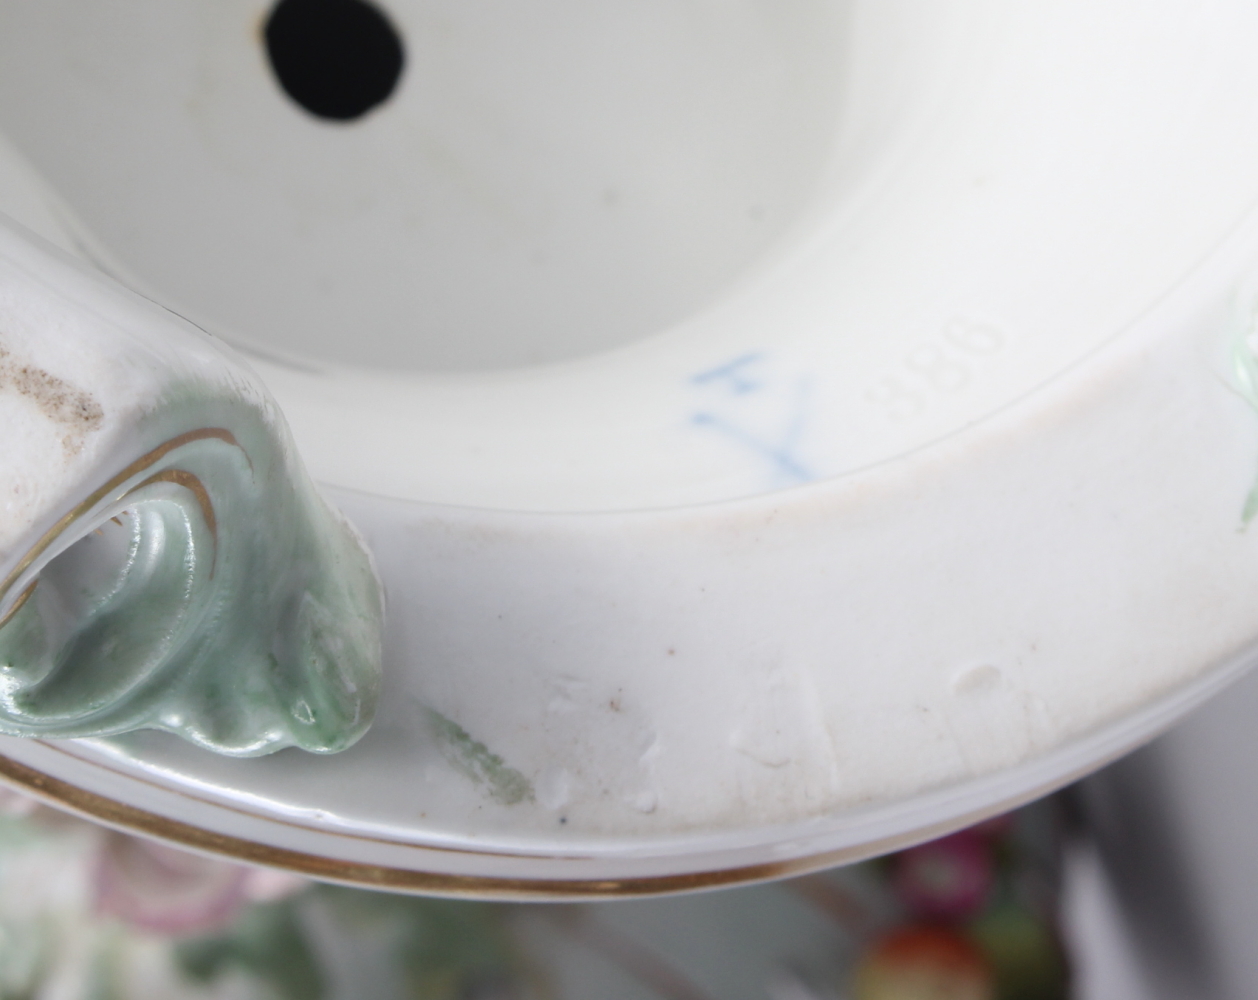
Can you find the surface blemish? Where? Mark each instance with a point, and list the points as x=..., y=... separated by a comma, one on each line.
x=977, y=679
x=504, y=784
x=75, y=410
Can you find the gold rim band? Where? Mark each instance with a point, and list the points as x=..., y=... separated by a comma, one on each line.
x=139, y=821
x=23, y=597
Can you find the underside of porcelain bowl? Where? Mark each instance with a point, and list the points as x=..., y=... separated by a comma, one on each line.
x=782, y=430
x=542, y=182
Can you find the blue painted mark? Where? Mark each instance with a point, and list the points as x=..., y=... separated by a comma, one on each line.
x=747, y=423
x=787, y=465
x=733, y=375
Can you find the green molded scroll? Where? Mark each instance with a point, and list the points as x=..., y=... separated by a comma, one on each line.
x=165, y=560
x=206, y=590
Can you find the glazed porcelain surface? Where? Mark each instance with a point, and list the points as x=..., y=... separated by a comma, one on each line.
x=838, y=433
x=166, y=562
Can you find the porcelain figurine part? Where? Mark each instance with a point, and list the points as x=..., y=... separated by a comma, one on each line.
x=165, y=561
x=783, y=431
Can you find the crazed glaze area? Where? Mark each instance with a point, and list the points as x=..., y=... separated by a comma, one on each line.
x=165, y=562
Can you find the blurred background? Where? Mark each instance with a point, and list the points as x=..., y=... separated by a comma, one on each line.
x=1134, y=884
x=92, y=914
x=1038, y=904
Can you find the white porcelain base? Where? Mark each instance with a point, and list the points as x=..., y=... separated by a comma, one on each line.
x=934, y=504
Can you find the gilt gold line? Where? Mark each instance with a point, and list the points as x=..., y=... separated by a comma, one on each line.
x=17, y=605
x=135, y=468
x=139, y=821
x=189, y=482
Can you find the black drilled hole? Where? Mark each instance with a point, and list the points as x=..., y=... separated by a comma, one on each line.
x=338, y=59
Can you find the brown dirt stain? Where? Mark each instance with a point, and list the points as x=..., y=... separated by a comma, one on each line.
x=75, y=410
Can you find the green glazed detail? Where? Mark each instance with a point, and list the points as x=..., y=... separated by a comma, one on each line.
x=206, y=590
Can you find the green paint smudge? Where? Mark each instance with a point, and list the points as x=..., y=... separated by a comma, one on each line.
x=505, y=784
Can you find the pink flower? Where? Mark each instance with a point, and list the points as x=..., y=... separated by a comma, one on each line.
x=947, y=879
x=170, y=891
